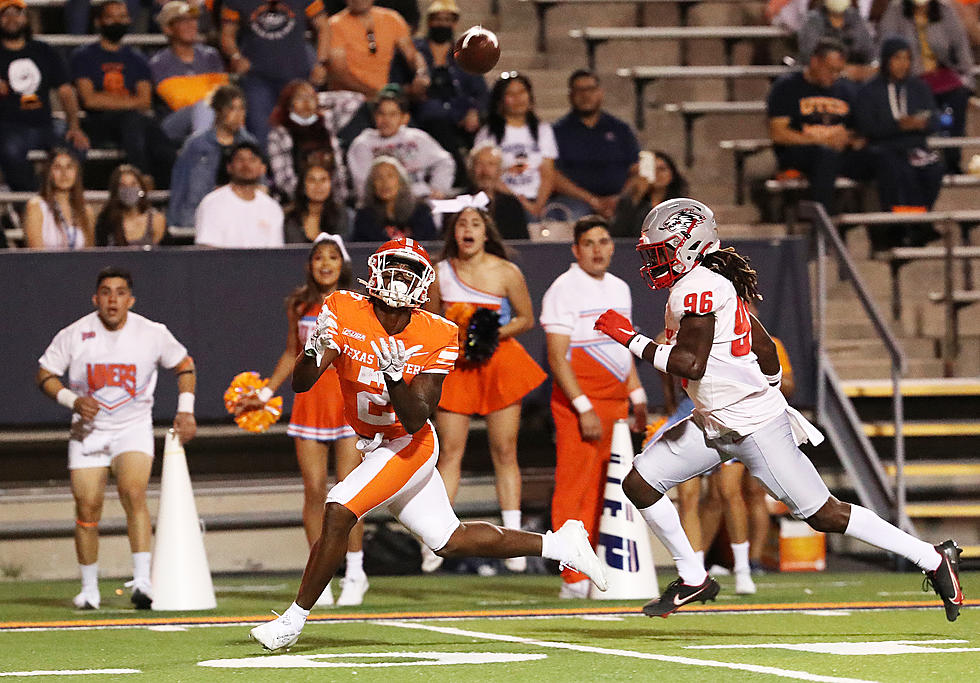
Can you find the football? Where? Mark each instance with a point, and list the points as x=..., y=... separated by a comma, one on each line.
x=477, y=50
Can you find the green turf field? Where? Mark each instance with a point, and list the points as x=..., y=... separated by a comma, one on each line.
x=812, y=627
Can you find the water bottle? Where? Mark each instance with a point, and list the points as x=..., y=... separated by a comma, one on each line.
x=946, y=122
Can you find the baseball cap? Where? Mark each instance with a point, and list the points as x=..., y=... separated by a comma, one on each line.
x=4, y=4
x=442, y=6
x=173, y=10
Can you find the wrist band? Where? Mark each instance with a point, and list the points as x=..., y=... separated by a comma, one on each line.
x=638, y=344
x=638, y=396
x=661, y=356
x=775, y=379
x=264, y=394
x=67, y=398
x=582, y=404
x=185, y=402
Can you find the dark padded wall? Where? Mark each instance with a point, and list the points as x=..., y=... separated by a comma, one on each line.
x=226, y=307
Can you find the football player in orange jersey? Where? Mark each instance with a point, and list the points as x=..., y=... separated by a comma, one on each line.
x=392, y=357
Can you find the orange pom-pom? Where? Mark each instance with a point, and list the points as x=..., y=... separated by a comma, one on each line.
x=460, y=313
x=653, y=428
x=244, y=385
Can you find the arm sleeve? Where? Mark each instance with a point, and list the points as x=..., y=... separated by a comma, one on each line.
x=280, y=149
x=546, y=141
x=442, y=167
x=556, y=316
x=57, y=357
x=359, y=159
x=171, y=350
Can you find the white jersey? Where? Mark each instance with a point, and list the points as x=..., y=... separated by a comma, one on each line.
x=733, y=395
x=522, y=155
x=117, y=368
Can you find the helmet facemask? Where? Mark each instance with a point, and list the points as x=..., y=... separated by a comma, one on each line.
x=659, y=262
x=400, y=278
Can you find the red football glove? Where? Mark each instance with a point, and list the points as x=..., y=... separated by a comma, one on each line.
x=616, y=325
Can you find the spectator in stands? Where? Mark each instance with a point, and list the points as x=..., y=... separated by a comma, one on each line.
x=114, y=85
x=430, y=168
x=896, y=111
x=199, y=162
x=528, y=144
x=241, y=213
x=594, y=383
x=644, y=190
x=315, y=210
x=77, y=19
x=185, y=73
x=596, y=151
x=363, y=40
x=450, y=108
x=29, y=70
x=58, y=217
x=389, y=210
x=840, y=20
x=969, y=11
x=265, y=44
x=485, y=167
x=941, y=56
x=408, y=9
x=810, y=122
x=299, y=136
x=128, y=219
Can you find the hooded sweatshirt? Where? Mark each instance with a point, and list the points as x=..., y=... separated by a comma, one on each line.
x=883, y=100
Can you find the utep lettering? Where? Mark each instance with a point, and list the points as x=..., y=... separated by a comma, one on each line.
x=112, y=375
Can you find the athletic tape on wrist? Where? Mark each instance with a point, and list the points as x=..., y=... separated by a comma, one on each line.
x=638, y=344
x=66, y=397
x=775, y=379
x=185, y=402
x=264, y=394
x=582, y=404
x=638, y=396
x=661, y=356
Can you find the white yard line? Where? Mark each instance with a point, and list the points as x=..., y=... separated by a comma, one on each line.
x=71, y=672
x=690, y=661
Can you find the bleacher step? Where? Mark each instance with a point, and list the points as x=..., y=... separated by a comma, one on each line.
x=924, y=428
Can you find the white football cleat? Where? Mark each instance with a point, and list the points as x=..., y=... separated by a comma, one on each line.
x=326, y=598
x=582, y=557
x=518, y=565
x=352, y=591
x=576, y=590
x=277, y=634
x=430, y=561
x=87, y=599
x=744, y=585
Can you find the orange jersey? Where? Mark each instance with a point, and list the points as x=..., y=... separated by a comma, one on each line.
x=367, y=406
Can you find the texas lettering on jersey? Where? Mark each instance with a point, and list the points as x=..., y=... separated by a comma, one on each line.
x=367, y=405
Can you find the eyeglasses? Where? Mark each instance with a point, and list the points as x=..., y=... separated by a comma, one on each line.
x=372, y=43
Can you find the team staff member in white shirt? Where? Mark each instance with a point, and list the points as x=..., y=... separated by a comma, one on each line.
x=111, y=358
x=595, y=379
x=240, y=214
x=731, y=372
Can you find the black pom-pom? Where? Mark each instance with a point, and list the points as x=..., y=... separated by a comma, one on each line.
x=482, y=335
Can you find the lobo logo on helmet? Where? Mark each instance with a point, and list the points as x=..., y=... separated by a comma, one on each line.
x=683, y=221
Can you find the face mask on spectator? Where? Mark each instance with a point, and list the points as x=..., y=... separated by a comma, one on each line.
x=440, y=34
x=113, y=32
x=837, y=6
x=303, y=120
x=130, y=195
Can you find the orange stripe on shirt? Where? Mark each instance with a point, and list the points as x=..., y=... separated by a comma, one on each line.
x=395, y=473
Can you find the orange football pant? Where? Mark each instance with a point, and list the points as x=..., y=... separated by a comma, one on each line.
x=580, y=466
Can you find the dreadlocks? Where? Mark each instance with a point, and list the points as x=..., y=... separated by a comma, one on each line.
x=735, y=268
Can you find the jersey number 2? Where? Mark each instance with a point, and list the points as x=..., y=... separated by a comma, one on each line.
x=375, y=409
x=742, y=343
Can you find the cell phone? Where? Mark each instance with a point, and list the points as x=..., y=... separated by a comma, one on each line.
x=648, y=165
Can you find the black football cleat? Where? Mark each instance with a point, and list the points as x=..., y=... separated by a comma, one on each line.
x=679, y=594
x=945, y=580
x=140, y=599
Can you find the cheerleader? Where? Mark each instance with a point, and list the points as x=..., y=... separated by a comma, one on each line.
x=483, y=292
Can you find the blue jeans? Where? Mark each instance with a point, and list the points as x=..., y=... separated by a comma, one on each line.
x=187, y=121
x=261, y=94
x=16, y=141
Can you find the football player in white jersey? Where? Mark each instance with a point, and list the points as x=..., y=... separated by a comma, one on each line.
x=111, y=357
x=731, y=372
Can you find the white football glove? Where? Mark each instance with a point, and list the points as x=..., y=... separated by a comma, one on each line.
x=392, y=356
x=321, y=338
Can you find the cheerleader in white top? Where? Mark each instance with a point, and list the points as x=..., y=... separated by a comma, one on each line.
x=730, y=369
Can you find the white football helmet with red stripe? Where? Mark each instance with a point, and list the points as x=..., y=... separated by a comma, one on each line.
x=675, y=237
x=401, y=273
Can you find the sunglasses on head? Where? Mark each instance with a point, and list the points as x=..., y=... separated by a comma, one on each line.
x=372, y=43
